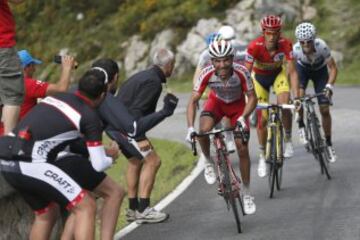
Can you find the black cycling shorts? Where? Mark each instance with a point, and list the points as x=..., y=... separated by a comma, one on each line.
x=127, y=149
x=40, y=184
x=81, y=170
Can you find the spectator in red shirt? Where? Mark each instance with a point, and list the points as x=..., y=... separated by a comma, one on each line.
x=34, y=88
x=11, y=79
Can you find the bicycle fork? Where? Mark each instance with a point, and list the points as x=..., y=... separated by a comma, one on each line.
x=274, y=127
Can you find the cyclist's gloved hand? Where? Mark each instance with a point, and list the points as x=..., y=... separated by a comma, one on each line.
x=328, y=90
x=170, y=103
x=241, y=122
x=190, y=131
x=297, y=104
x=245, y=134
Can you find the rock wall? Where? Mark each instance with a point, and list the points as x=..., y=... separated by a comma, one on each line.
x=244, y=17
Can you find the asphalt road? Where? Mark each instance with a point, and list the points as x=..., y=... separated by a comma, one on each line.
x=308, y=207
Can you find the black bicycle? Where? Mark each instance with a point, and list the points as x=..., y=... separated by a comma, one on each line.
x=274, y=153
x=316, y=142
x=228, y=182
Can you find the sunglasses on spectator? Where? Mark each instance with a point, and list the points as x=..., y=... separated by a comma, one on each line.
x=302, y=42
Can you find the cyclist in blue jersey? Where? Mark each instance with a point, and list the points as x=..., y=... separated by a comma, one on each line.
x=314, y=61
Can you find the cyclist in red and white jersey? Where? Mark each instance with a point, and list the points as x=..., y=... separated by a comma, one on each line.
x=229, y=83
x=227, y=33
x=265, y=57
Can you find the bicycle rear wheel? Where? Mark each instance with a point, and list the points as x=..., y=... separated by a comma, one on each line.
x=229, y=195
x=272, y=161
x=279, y=178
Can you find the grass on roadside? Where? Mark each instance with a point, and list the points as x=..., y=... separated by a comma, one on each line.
x=177, y=163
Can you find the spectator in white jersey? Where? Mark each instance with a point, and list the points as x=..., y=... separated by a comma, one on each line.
x=314, y=61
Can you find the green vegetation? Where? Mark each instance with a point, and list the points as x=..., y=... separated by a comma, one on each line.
x=177, y=163
x=98, y=28
x=338, y=24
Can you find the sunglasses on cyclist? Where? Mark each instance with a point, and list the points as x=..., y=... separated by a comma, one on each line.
x=271, y=33
x=303, y=42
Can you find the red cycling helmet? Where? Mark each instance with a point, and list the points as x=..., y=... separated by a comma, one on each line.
x=271, y=22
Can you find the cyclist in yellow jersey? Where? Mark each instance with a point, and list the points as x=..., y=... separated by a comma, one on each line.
x=265, y=57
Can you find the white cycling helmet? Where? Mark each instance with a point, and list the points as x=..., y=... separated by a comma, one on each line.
x=305, y=31
x=219, y=49
x=227, y=32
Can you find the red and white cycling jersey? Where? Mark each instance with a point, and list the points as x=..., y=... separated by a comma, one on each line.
x=228, y=91
x=264, y=63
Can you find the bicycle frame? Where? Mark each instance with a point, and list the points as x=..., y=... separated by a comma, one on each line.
x=313, y=132
x=274, y=145
x=274, y=122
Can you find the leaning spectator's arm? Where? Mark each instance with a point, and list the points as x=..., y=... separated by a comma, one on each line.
x=67, y=63
x=117, y=117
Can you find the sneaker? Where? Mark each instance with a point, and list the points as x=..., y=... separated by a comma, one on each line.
x=302, y=136
x=230, y=146
x=262, y=171
x=332, y=156
x=249, y=205
x=209, y=173
x=150, y=215
x=130, y=215
x=289, y=150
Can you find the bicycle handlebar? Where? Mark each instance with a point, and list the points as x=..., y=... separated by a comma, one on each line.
x=273, y=105
x=311, y=96
x=213, y=132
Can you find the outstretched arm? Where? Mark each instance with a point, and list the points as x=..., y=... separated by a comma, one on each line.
x=191, y=108
x=251, y=103
x=294, y=78
x=67, y=64
x=117, y=117
x=332, y=71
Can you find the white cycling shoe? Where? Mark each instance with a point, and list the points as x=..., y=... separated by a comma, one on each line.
x=249, y=205
x=209, y=173
x=230, y=146
x=262, y=168
x=332, y=154
x=289, y=150
x=302, y=136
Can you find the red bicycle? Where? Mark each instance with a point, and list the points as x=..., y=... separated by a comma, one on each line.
x=228, y=182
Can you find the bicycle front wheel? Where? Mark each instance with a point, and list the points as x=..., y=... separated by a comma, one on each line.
x=280, y=155
x=320, y=148
x=229, y=195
